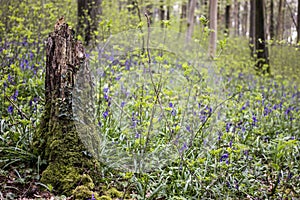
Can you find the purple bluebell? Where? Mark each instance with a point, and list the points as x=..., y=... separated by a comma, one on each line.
x=122, y=104
x=183, y=148
x=127, y=65
x=105, y=114
x=225, y=156
x=228, y=125
x=254, y=120
x=15, y=95
x=10, y=109
x=188, y=128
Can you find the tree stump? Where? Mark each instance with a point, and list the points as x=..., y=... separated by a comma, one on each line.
x=57, y=140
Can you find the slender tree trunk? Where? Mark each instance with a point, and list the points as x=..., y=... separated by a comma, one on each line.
x=190, y=20
x=227, y=18
x=162, y=13
x=245, y=19
x=168, y=10
x=279, y=28
x=89, y=12
x=252, y=27
x=272, y=27
x=182, y=15
x=213, y=27
x=236, y=18
x=260, y=39
x=298, y=23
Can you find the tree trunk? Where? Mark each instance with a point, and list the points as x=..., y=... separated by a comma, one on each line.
x=162, y=13
x=298, y=23
x=272, y=29
x=168, y=9
x=227, y=19
x=190, y=20
x=182, y=15
x=57, y=140
x=279, y=28
x=89, y=12
x=262, y=63
x=213, y=26
x=252, y=27
x=245, y=19
x=236, y=18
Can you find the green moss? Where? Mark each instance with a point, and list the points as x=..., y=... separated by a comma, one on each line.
x=83, y=192
x=113, y=192
x=105, y=198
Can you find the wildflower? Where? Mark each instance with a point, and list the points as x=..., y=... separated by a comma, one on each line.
x=228, y=125
x=127, y=65
x=137, y=135
x=267, y=111
x=10, y=109
x=173, y=112
x=254, y=119
x=105, y=114
x=122, y=104
x=224, y=157
x=15, y=95
x=188, y=128
x=183, y=148
x=93, y=197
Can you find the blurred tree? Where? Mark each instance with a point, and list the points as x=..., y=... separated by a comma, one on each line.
x=190, y=20
x=213, y=26
x=162, y=12
x=262, y=63
x=271, y=28
x=298, y=22
x=245, y=19
x=236, y=18
x=227, y=17
x=252, y=27
x=280, y=20
x=89, y=12
x=182, y=15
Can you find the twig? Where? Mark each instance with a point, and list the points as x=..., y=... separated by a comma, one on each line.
x=23, y=114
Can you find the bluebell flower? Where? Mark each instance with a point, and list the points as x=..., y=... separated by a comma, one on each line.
x=15, y=95
x=183, y=148
x=10, y=109
x=173, y=112
x=224, y=157
x=254, y=120
x=105, y=114
x=122, y=104
x=93, y=197
x=188, y=128
x=127, y=65
x=118, y=77
x=228, y=125
x=137, y=135
x=267, y=111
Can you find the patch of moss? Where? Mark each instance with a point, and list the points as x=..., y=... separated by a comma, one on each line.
x=104, y=198
x=113, y=192
x=83, y=192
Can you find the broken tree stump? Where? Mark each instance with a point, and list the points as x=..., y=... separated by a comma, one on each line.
x=56, y=141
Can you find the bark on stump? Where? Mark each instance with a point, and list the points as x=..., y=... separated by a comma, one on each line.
x=57, y=140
